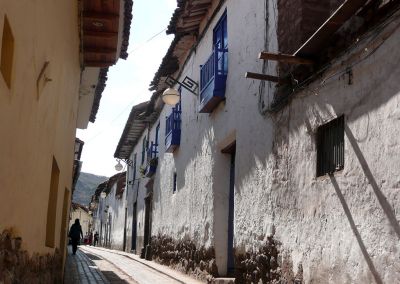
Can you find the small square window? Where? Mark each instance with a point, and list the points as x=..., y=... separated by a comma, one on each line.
x=330, y=147
x=7, y=52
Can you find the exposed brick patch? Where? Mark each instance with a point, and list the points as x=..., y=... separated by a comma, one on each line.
x=17, y=266
x=185, y=256
x=267, y=265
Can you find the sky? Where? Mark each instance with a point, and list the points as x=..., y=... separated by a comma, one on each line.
x=127, y=85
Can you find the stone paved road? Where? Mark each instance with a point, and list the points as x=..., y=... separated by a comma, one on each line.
x=98, y=265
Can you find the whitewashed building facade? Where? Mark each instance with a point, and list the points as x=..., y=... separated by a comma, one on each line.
x=292, y=177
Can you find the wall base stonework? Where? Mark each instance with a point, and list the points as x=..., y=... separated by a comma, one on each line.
x=17, y=266
x=185, y=256
x=267, y=265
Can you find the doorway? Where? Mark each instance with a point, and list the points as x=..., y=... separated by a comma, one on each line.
x=147, y=228
x=231, y=151
x=134, y=227
x=125, y=222
x=231, y=215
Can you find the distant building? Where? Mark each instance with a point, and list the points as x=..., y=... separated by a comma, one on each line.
x=109, y=203
x=54, y=57
x=82, y=213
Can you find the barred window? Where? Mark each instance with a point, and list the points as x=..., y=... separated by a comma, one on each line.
x=330, y=147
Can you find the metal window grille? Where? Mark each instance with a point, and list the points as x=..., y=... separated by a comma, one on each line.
x=330, y=147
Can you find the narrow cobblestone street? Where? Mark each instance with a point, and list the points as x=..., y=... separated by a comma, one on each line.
x=99, y=265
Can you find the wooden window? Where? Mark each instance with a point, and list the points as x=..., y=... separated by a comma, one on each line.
x=52, y=205
x=7, y=52
x=330, y=147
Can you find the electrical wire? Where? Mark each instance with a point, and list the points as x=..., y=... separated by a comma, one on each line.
x=146, y=42
x=374, y=32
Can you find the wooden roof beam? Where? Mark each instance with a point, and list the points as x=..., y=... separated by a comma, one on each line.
x=99, y=34
x=100, y=16
x=264, y=77
x=99, y=63
x=286, y=58
x=100, y=50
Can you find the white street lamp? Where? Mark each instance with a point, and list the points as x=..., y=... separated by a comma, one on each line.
x=171, y=96
x=118, y=167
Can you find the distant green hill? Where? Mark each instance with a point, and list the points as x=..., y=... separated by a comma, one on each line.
x=86, y=186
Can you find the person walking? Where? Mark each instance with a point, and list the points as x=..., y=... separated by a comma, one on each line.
x=75, y=233
x=96, y=238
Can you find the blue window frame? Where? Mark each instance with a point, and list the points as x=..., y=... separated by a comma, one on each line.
x=214, y=72
x=173, y=128
x=152, y=149
x=144, y=143
x=157, y=133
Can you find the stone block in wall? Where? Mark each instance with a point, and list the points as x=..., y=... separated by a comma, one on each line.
x=266, y=265
x=17, y=266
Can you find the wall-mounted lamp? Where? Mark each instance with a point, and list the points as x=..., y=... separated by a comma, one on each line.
x=171, y=96
x=119, y=167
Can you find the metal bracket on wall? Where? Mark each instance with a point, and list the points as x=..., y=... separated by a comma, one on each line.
x=43, y=78
x=187, y=83
x=129, y=162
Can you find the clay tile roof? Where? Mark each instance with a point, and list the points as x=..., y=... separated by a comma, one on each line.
x=98, y=92
x=119, y=178
x=76, y=206
x=121, y=182
x=122, y=54
x=126, y=31
x=137, y=121
x=188, y=16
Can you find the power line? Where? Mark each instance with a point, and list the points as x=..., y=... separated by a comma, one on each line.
x=147, y=41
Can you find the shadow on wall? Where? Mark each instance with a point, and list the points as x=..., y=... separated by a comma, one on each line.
x=387, y=208
x=355, y=231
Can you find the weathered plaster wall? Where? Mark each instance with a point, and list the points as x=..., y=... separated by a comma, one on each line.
x=343, y=228
x=117, y=212
x=329, y=230
x=35, y=127
x=198, y=211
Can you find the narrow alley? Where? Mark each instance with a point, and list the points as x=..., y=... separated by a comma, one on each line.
x=199, y=141
x=99, y=265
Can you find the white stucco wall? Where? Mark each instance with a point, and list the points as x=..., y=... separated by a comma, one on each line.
x=342, y=229
x=199, y=209
x=117, y=212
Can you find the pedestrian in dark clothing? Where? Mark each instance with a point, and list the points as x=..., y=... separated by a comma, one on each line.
x=75, y=233
x=96, y=238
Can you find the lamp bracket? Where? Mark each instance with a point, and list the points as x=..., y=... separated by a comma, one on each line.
x=129, y=162
x=187, y=83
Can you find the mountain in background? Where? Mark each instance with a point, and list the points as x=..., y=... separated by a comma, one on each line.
x=85, y=187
